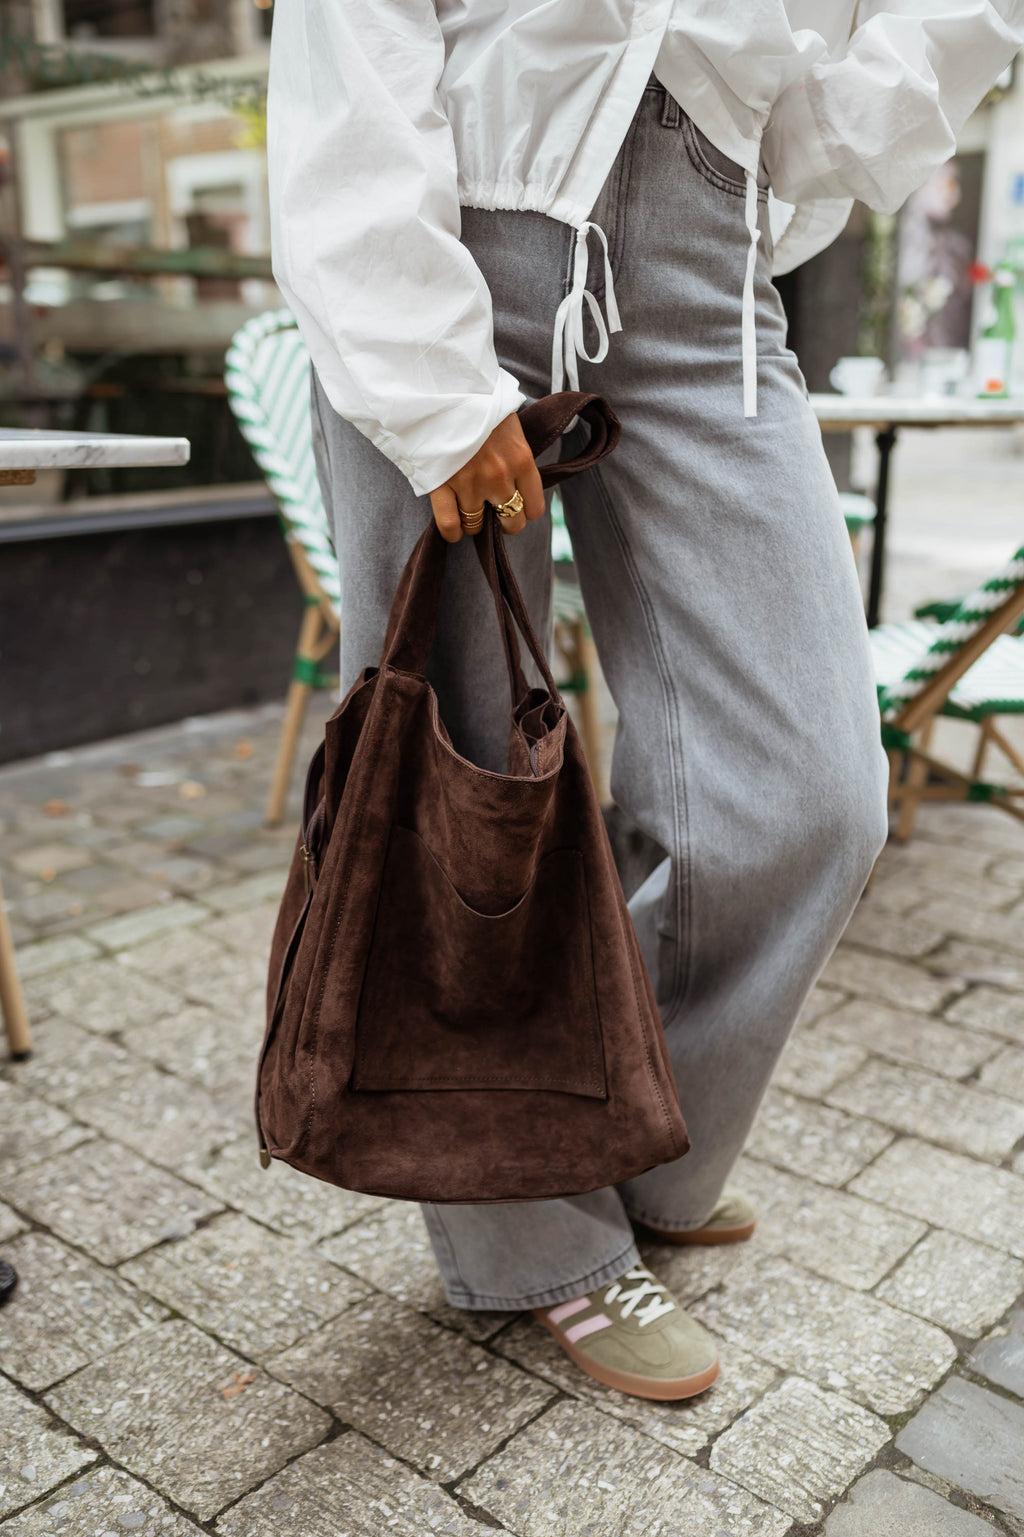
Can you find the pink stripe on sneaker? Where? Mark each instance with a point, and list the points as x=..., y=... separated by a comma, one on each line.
x=567, y=1309
x=588, y=1326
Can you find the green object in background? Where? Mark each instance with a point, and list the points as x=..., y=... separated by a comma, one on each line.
x=995, y=344
x=942, y=609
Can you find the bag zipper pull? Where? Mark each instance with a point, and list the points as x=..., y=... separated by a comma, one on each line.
x=264, y=1157
x=307, y=860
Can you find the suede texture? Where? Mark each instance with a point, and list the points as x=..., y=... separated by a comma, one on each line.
x=457, y=1005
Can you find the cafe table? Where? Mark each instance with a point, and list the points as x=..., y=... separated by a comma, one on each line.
x=24, y=451
x=886, y=414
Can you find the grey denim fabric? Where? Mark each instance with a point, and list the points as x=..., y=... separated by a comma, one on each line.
x=722, y=595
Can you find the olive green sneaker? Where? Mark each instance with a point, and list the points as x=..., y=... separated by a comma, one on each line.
x=733, y=1219
x=632, y=1335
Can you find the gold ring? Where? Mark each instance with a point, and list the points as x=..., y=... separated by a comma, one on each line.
x=472, y=522
x=512, y=507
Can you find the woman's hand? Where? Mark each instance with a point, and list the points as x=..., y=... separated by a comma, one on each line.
x=501, y=466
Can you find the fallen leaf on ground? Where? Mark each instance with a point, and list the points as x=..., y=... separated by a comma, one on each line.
x=243, y=749
x=238, y=1384
x=191, y=790
x=57, y=809
x=49, y=874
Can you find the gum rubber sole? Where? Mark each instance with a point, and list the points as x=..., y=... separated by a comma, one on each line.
x=703, y=1234
x=665, y=1389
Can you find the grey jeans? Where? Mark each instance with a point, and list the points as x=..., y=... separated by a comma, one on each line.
x=722, y=595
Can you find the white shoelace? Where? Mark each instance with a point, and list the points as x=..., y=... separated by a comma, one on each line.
x=647, y=1291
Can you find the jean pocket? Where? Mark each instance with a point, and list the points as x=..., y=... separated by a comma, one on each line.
x=458, y=999
x=710, y=162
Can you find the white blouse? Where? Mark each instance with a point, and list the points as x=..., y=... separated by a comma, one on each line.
x=384, y=116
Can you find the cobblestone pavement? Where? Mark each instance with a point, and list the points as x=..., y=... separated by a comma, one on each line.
x=197, y=1345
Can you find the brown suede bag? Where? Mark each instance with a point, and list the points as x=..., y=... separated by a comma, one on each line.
x=457, y=1005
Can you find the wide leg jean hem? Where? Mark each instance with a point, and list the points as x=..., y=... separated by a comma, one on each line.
x=626, y=1260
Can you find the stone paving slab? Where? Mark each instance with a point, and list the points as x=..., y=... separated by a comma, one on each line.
x=170, y=960
x=831, y=1232
x=904, y=937
x=102, y=995
x=1004, y=1073
x=972, y=1437
x=166, y=1119
x=32, y=1131
x=574, y=1470
x=68, y=1062
x=35, y=1452
x=193, y=1419
x=135, y=928
x=10, y=1223
x=955, y=1283
x=687, y=1426
x=969, y=1198
x=425, y=1393
x=49, y=955
x=108, y=1201
x=882, y=1505
x=894, y=982
x=1000, y=1358
x=256, y=1291
x=964, y=964
x=826, y=1144
x=812, y=1062
x=104, y=1503
x=348, y=1487
x=799, y=1447
x=65, y=1312
x=248, y=931
x=392, y=1252
x=47, y=860
x=912, y=1039
x=279, y=1197
x=228, y=982
x=954, y=1115
x=838, y=1338
x=209, y=1047
x=991, y=928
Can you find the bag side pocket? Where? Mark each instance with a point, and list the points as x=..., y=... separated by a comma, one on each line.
x=457, y=999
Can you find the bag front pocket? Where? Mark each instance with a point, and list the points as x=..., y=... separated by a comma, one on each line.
x=454, y=999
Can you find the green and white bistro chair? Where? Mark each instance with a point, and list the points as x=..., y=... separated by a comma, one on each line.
x=267, y=376
x=574, y=641
x=966, y=668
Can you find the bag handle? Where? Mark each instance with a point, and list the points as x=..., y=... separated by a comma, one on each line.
x=413, y=614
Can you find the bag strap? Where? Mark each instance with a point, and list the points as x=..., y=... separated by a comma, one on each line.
x=413, y=614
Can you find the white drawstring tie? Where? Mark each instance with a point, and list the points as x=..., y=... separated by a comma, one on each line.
x=568, y=343
x=748, y=334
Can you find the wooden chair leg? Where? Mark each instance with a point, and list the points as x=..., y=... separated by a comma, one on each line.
x=910, y=791
x=590, y=721
x=984, y=741
x=294, y=712
x=19, y=1037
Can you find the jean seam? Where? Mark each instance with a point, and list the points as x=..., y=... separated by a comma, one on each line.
x=565, y=1290
x=680, y=864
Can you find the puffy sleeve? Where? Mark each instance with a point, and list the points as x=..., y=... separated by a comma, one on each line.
x=876, y=120
x=365, y=226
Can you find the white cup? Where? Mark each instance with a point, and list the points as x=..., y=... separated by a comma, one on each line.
x=857, y=376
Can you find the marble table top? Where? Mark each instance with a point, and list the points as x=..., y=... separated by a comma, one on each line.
x=844, y=411
x=41, y=449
